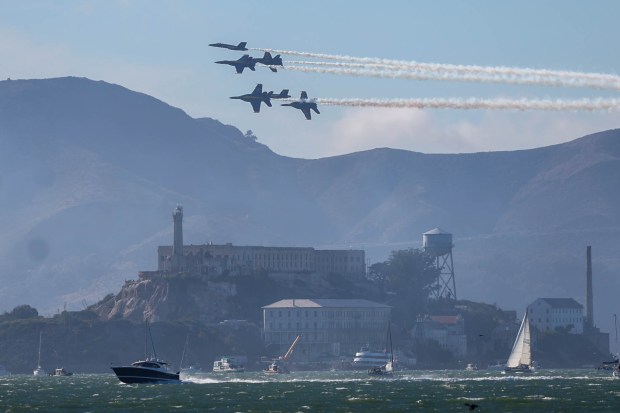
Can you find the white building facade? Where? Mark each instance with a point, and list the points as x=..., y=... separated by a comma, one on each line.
x=328, y=327
x=552, y=314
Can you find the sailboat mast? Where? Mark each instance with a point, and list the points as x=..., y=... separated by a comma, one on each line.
x=152, y=343
x=40, y=337
x=616, y=326
x=185, y=348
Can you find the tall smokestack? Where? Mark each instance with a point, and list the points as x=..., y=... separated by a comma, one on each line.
x=589, y=316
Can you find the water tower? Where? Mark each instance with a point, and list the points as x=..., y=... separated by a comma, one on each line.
x=438, y=244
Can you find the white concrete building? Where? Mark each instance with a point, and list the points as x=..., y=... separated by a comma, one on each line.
x=328, y=327
x=447, y=331
x=551, y=314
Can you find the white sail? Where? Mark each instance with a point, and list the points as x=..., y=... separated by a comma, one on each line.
x=521, y=350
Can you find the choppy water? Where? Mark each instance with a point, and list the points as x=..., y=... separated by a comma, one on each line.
x=419, y=391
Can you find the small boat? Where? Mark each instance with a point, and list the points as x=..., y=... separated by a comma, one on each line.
x=61, y=372
x=471, y=367
x=279, y=365
x=192, y=369
x=520, y=360
x=149, y=370
x=499, y=366
x=4, y=371
x=39, y=371
x=227, y=365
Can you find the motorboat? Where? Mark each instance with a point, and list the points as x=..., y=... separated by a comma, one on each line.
x=149, y=370
x=471, y=367
x=499, y=366
x=279, y=365
x=61, y=372
x=227, y=365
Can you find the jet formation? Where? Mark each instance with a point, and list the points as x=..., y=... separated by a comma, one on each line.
x=258, y=96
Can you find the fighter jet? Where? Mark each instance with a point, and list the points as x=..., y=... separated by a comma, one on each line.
x=282, y=95
x=304, y=105
x=270, y=61
x=240, y=46
x=256, y=98
x=240, y=64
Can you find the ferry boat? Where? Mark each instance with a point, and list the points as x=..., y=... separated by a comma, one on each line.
x=227, y=365
x=367, y=358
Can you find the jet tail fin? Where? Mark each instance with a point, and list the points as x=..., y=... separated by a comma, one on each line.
x=242, y=45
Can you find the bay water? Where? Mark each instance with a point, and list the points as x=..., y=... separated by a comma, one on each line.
x=351, y=391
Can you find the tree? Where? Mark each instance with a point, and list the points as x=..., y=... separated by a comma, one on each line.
x=23, y=311
x=409, y=277
x=250, y=135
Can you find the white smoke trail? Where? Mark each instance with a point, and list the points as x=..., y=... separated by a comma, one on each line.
x=489, y=70
x=473, y=103
x=463, y=77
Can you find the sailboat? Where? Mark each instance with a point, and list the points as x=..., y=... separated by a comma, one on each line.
x=190, y=369
x=520, y=360
x=39, y=371
x=616, y=366
x=387, y=368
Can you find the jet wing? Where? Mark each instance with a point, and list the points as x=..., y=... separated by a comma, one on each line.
x=239, y=68
x=306, y=112
x=258, y=89
x=256, y=105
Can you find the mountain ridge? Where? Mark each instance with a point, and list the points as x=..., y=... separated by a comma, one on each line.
x=90, y=173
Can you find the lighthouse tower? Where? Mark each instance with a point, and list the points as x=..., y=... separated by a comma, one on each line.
x=177, y=247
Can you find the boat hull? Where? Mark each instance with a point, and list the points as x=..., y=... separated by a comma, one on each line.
x=131, y=375
x=519, y=370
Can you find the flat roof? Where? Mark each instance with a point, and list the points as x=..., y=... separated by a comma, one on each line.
x=326, y=303
x=562, y=302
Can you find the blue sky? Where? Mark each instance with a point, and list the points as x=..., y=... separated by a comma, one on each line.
x=160, y=48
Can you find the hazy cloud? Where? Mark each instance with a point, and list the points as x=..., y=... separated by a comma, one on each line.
x=437, y=132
